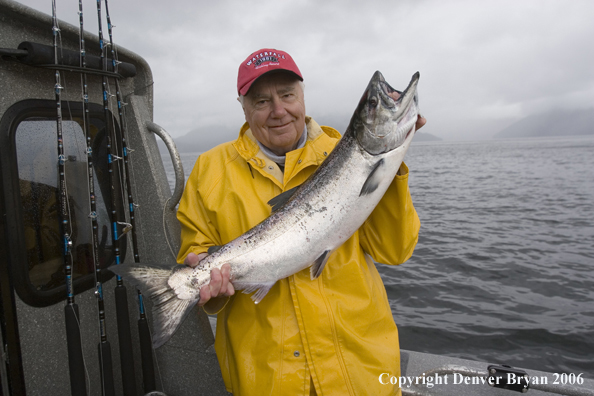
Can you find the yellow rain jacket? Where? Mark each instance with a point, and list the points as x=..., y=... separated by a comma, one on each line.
x=336, y=331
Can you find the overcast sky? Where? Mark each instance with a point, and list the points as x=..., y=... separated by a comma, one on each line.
x=483, y=64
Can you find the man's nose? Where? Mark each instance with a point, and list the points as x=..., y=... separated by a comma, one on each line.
x=278, y=108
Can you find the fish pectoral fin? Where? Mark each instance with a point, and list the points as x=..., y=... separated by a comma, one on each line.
x=260, y=289
x=213, y=249
x=373, y=180
x=318, y=266
x=281, y=199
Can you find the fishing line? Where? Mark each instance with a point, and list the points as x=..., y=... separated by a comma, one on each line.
x=146, y=348
x=87, y=377
x=141, y=88
x=150, y=332
x=165, y=229
x=76, y=362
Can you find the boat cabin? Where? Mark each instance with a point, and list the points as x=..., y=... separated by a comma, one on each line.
x=39, y=184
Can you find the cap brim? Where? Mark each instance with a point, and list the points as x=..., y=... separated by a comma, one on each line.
x=246, y=88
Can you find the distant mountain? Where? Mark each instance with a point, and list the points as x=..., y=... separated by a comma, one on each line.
x=200, y=140
x=552, y=123
x=425, y=137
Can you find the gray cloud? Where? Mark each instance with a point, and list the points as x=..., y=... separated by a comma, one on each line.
x=483, y=64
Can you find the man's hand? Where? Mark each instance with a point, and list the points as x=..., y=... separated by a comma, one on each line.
x=219, y=285
x=420, y=122
x=420, y=119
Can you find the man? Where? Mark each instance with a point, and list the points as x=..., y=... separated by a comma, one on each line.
x=332, y=335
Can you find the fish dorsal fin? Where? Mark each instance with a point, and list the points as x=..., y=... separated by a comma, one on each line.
x=373, y=180
x=281, y=199
x=260, y=289
x=214, y=249
x=318, y=266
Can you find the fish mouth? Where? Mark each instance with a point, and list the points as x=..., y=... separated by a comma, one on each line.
x=390, y=96
x=407, y=96
x=409, y=106
x=398, y=103
x=386, y=116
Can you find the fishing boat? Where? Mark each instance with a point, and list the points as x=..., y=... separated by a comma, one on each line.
x=83, y=188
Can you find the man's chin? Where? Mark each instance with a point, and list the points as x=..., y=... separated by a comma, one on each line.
x=282, y=147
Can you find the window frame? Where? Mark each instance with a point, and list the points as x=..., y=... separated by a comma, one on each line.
x=15, y=233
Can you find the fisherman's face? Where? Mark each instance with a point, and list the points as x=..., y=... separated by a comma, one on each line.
x=275, y=110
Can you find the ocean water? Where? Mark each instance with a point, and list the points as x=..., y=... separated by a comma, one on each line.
x=504, y=268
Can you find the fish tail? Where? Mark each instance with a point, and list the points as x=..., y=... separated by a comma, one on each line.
x=169, y=311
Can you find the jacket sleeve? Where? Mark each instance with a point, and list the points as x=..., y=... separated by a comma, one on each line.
x=391, y=232
x=197, y=231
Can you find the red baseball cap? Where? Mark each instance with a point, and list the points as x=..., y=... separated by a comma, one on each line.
x=262, y=62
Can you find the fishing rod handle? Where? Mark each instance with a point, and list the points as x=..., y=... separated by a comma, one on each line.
x=107, y=386
x=125, y=341
x=146, y=353
x=76, y=363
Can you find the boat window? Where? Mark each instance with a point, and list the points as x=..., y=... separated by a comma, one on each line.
x=42, y=281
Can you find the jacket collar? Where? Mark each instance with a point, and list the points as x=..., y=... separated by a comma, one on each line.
x=320, y=142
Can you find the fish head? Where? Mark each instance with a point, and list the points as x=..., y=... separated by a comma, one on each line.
x=385, y=117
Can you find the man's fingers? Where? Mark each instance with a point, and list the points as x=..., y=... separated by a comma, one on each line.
x=204, y=295
x=216, y=281
x=394, y=95
x=230, y=289
x=420, y=122
x=192, y=260
x=219, y=285
x=227, y=288
x=225, y=270
x=212, y=289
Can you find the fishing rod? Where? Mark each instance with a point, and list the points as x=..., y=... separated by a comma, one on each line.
x=76, y=363
x=105, y=361
x=146, y=344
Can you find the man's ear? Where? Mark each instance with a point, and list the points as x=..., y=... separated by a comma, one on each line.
x=242, y=107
